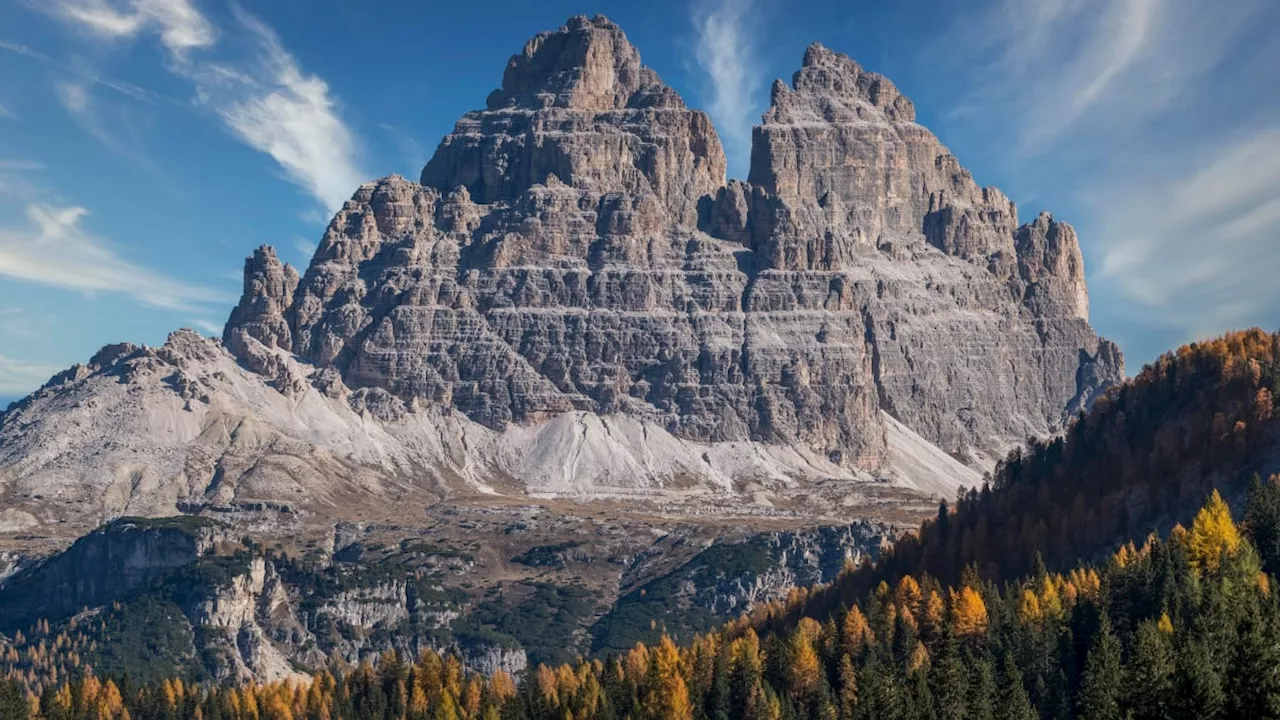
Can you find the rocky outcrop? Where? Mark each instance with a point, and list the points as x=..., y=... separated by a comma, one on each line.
x=578, y=105
x=574, y=247
x=106, y=564
x=269, y=287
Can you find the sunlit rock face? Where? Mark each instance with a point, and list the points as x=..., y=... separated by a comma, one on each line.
x=575, y=247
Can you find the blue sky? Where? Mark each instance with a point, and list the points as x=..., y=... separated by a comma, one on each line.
x=147, y=146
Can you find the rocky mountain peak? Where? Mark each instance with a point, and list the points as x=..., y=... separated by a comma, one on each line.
x=572, y=248
x=269, y=286
x=831, y=86
x=578, y=108
x=588, y=64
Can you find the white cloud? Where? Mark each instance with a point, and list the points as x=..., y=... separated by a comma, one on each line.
x=1198, y=249
x=267, y=101
x=1107, y=66
x=19, y=377
x=55, y=250
x=7, y=113
x=97, y=119
x=74, y=98
x=208, y=327
x=16, y=181
x=277, y=109
x=21, y=49
x=180, y=26
x=725, y=54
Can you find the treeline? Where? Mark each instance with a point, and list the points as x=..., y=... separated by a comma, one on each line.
x=1186, y=627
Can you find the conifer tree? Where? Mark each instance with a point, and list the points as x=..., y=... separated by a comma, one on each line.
x=1013, y=701
x=13, y=701
x=1213, y=534
x=949, y=681
x=1262, y=521
x=982, y=688
x=1149, y=691
x=1200, y=695
x=1101, y=685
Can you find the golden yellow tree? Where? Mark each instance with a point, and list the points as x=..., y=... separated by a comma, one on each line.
x=1213, y=534
x=668, y=695
x=857, y=631
x=968, y=613
x=908, y=595
x=1029, y=609
x=805, y=669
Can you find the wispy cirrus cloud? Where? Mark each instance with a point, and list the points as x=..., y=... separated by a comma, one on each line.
x=206, y=326
x=264, y=100
x=180, y=26
x=1121, y=107
x=1063, y=67
x=1196, y=250
x=18, y=377
x=26, y=50
x=54, y=249
x=274, y=107
x=16, y=181
x=727, y=56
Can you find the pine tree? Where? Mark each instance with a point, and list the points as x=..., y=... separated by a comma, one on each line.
x=718, y=698
x=1253, y=683
x=1149, y=690
x=13, y=701
x=1100, y=687
x=949, y=682
x=1014, y=703
x=1200, y=695
x=982, y=688
x=1262, y=521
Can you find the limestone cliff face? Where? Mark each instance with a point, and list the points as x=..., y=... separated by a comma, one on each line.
x=575, y=247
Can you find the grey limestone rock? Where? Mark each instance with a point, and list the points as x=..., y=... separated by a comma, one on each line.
x=575, y=246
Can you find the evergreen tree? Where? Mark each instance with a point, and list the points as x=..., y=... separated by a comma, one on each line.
x=719, y=701
x=982, y=688
x=1262, y=521
x=949, y=682
x=13, y=701
x=1253, y=683
x=1200, y=694
x=1149, y=690
x=1013, y=702
x=1100, y=687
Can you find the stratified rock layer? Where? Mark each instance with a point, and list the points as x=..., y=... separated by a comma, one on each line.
x=574, y=247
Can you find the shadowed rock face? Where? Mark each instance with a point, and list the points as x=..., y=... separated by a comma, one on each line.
x=575, y=246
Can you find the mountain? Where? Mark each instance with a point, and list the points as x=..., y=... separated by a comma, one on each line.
x=576, y=354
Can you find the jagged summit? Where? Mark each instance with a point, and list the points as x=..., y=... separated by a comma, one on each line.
x=588, y=64
x=578, y=106
x=831, y=87
x=574, y=247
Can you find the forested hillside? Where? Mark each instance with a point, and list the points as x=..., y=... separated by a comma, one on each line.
x=1187, y=627
x=1145, y=457
x=1049, y=593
